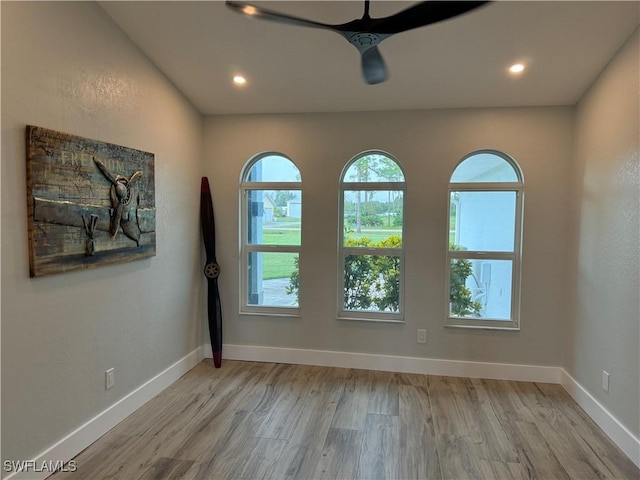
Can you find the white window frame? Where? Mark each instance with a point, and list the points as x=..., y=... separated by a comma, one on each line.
x=375, y=316
x=246, y=247
x=515, y=257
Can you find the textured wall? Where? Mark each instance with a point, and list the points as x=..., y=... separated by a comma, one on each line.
x=428, y=144
x=603, y=331
x=67, y=67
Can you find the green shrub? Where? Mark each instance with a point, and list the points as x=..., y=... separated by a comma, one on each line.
x=459, y=294
x=374, y=281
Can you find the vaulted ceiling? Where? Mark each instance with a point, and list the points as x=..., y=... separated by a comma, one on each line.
x=462, y=62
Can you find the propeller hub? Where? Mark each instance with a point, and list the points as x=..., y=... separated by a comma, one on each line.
x=121, y=189
x=363, y=41
x=212, y=270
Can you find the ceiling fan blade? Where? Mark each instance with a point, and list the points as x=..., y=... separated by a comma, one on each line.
x=374, y=69
x=265, y=14
x=424, y=13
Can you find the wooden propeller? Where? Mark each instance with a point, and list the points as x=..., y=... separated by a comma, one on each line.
x=211, y=271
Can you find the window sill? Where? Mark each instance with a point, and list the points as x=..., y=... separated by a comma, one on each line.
x=508, y=328
x=279, y=313
x=369, y=319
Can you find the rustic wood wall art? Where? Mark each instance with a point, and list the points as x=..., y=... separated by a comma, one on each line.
x=90, y=203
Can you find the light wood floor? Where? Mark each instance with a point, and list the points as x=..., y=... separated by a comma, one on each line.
x=263, y=420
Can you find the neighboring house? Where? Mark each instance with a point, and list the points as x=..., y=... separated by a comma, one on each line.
x=294, y=209
x=268, y=208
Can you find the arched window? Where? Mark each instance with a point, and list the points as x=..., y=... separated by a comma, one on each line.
x=485, y=228
x=372, y=191
x=271, y=206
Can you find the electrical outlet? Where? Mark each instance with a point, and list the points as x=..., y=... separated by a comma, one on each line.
x=605, y=381
x=109, y=378
x=422, y=336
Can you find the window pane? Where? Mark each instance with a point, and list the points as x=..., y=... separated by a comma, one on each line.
x=274, y=217
x=371, y=283
x=374, y=168
x=373, y=218
x=480, y=289
x=272, y=279
x=484, y=167
x=483, y=221
x=273, y=168
x=453, y=216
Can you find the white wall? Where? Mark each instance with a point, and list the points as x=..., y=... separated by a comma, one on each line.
x=428, y=144
x=66, y=66
x=603, y=330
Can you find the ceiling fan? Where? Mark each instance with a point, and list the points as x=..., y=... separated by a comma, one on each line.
x=367, y=33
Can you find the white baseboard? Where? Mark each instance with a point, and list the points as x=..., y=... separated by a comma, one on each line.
x=619, y=434
x=390, y=363
x=85, y=435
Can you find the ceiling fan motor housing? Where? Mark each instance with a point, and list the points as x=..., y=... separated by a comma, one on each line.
x=364, y=41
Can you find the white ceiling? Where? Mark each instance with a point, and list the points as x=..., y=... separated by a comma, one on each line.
x=461, y=62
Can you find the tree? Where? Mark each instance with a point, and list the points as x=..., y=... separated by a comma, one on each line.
x=459, y=294
x=294, y=280
x=362, y=174
x=374, y=167
x=390, y=171
x=372, y=280
x=282, y=197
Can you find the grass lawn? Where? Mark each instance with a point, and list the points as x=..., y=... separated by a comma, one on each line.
x=280, y=237
x=376, y=234
x=281, y=265
x=283, y=236
x=277, y=265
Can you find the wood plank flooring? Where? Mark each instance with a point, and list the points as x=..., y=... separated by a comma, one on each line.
x=254, y=421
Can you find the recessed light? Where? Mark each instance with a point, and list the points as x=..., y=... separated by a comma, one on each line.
x=516, y=68
x=249, y=10
x=239, y=80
